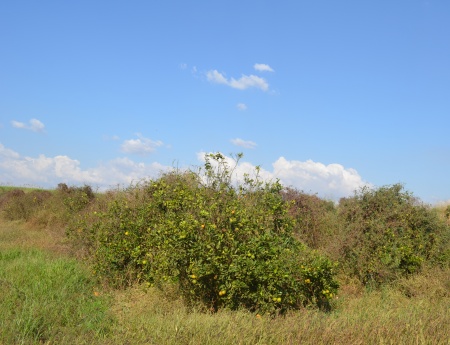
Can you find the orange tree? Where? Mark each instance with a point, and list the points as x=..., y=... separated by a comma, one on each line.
x=223, y=244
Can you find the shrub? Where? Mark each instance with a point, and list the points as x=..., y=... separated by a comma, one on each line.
x=18, y=205
x=10, y=194
x=223, y=245
x=75, y=198
x=315, y=218
x=389, y=233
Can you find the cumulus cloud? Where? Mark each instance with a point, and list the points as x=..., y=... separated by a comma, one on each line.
x=33, y=125
x=6, y=153
x=262, y=67
x=316, y=177
x=243, y=143
x=241, y=106
x=42, y=170
x=332, y=181
x=245, y=82
x=49, y=171
x=141, y=146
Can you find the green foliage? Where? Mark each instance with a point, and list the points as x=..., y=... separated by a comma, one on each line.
x=389, y=234
x=225, y=246
x=74, y=198
x=447, y=212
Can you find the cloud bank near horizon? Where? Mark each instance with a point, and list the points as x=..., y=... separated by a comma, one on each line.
x=331, y=181
x=47, y=172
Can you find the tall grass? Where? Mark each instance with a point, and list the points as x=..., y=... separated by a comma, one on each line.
x=48, y=300
x=382, y=317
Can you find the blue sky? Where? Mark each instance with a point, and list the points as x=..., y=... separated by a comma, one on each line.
x=328, y=96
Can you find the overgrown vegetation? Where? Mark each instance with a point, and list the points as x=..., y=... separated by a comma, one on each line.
x=222, y=245
x=389, y=234
x=198, y=242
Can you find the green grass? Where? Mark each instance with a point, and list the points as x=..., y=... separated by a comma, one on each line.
x=45, y=299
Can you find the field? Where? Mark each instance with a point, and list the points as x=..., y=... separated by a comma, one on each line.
x=60, y=282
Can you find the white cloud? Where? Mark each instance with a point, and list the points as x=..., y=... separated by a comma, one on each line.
x=17, y=124
x=36, y=125
x=140, y=146
x=262, y=67
x=6, y=153
x=125, y=171
x=42, y=170
x=216, y=77
x=33, y=125
x=245, y=82
x=243, y=143
x=330, y=181
x=326, y=180
x=241, y=106
x=47, y=172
